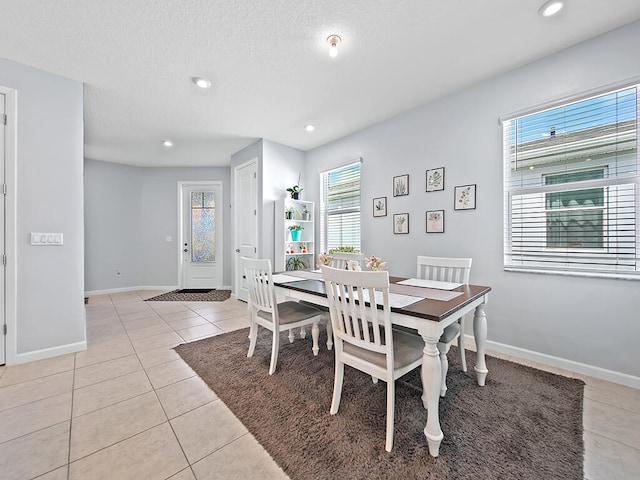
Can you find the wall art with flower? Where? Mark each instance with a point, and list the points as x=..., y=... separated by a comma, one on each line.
x=435, y=179
x=435, y=221
x=464, y=197
x=401, y=223
x=400, y=185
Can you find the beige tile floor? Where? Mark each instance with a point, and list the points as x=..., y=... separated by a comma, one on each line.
x=129, y=408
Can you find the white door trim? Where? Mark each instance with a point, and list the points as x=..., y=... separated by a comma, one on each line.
x=236, y=220
x=219, y=227
x=10, y=218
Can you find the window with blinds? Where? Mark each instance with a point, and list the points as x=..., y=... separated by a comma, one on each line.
x=571, y=187
x=340, y=208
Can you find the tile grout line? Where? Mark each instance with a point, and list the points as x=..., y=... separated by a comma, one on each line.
x=73, y=383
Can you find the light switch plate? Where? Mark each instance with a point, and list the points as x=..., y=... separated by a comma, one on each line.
x=51, y=239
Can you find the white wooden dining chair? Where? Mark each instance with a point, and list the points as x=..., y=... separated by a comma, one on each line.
x=455, y=270
x=277, y=317
x=363, y=336
x=342, y=259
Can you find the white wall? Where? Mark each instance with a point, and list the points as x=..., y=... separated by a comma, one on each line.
x=130, y=211
x=593, y=322
x=49, y=305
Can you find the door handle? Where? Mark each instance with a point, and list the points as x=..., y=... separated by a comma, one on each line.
x=185, y=250
x=237, y=250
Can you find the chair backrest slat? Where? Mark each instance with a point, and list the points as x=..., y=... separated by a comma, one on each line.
x=260, y=284
x=444, y=269
x=353, y=321
x=340, y=260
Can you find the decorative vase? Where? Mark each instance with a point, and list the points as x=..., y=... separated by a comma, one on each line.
x=295, y=235
x=295, y=195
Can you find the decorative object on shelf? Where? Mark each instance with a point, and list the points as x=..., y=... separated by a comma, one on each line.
x=375, y=263
x=290, y=249
x=295, y=190
x=324, y=259
x=296, y=263
x=401, y=223
x=295, y=231
x=288, y=213
x=380, y=207
x=303, y=248
x=305, y=213
x=464, y=197
x=401, y=185
x=435, y=221
x=435, y=179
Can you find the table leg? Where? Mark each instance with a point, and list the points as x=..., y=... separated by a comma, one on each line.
x=431, y=382
x=480, y=336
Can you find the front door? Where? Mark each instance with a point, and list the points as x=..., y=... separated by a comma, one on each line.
x=245, y=202
x=201, y=234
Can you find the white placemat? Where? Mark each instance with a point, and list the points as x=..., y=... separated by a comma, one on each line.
x=430, y=293
x=418, y=282
x=395, y=300
x=282, y=278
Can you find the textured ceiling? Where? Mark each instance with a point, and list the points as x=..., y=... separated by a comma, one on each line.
x=269, y=65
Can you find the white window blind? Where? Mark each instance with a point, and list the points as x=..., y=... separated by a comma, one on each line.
x=571, y=187
x=340, y=208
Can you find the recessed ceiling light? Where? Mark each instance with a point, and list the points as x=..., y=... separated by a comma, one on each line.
x=167, y=143
x=201, y=82
x=309, y=127
x=550, y=7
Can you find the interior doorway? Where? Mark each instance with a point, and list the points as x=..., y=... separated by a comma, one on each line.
x=245, y=203
x=3, y=325
x=201, y=212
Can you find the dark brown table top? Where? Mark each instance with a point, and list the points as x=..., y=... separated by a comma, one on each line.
x=426, y=308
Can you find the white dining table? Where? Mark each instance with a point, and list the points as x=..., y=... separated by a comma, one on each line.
x=430, y=313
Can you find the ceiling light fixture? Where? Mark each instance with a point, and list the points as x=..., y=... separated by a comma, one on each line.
x=550, y=7
x=309, y=127
x=201, y=82
x=167, y=143
x=333, y=41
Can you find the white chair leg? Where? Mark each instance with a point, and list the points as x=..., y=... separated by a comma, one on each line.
x=329, y=334
x=303, y=333
x=315, y=334
x=337, y=388
x=291, y=335
x=253, y=335
x=274, y=351
x=444, y=362
x=463, y=359
x=391, y=406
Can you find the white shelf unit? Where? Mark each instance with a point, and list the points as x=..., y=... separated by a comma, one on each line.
x=283, y=242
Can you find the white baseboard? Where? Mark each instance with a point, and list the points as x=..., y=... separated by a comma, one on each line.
x=47, y=353
x=557, y=362
x=130, y=289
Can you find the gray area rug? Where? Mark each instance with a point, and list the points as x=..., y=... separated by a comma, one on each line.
x=181, y=296
x=524, y=424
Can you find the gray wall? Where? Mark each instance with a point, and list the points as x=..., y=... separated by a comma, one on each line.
x=49, y=311
x=130, y=211
x=590, y=321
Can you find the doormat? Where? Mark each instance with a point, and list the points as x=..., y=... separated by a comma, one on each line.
x=193, y=295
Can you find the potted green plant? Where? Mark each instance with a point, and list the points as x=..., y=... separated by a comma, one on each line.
x=288, y=213
x=296, y=231
x=294, y=192
x=305, y=213
x=296, y=263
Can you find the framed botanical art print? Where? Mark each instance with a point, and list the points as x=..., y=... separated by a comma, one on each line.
x=400, y=185
x=464, y=197
x=401, y=223
x=435, y=179
x=435, y=221
x=380, y=207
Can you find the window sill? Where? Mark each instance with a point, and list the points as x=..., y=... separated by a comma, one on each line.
x=611, y=276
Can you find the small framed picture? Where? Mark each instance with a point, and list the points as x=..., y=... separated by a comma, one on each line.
x=380, y=207
x=400, y=185
x=435, y=221
x=464, y=197
x=401, y=223
x=435, y=179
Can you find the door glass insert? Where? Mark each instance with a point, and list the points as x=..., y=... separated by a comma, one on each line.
x=203, y=230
